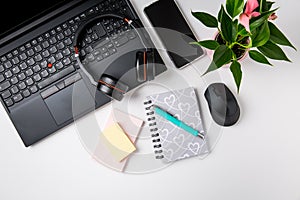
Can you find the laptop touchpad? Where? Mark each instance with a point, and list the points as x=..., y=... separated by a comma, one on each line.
x=71, y=102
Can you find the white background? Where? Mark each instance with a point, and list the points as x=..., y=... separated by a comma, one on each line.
x=259, y=158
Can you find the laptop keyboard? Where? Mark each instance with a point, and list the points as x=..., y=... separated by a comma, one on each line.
x=39, y=63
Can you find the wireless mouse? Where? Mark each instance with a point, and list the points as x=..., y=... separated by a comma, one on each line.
x=223, y=105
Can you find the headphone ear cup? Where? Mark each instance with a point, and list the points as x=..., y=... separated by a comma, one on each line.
x=141, y=69
x=145, y=67
x=112, y=87
x=150, y=66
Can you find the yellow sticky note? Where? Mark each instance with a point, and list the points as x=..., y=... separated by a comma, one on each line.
x=117, y=142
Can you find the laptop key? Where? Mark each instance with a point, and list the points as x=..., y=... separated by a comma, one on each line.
x=64, y=26
x=23, y=66
x=45, y=54
x=21, y=76
x=121, y=41
x=3, y=59
x=30, y=62
x=61, y=85
x=34, y=42
x=14, y=80
x=56, y=77
x=5, y=85
x=1, y=68
x=53, y=32
x=8, y=74
x=16, y=70
x=15, y=60
x=36, y=68
x=60, y=46
x=68, y=32
x=53, y=50
x=40, y=39
x=14, y=90
x=29, y=72
x=34, y=89
x=59, y=56
x=23, y=56
x=66, y=61
x=26, y=93
x=8, y=65
x=9, y=56
x=49, y=92
x=30, y=52
x=6, y=94
x=17, y=98
x=53, y=40
x=38, y=48
x=15, y=52
x=52, y=70
x=38, y=58
x=9, y=102
x=68, y=41
x=44, y=73
x=66, y=52
x=29, y=82
x=22, y=86
x=59, y=65
x=60, y=36
x=1, y=78
x=44, y=64
x=37, y=77
x=45, y=44
x=51, y=60
x=22, y=48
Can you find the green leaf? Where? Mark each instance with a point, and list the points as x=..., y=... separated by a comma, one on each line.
x=258, y=21
x=258, y=57
x=222, y=56
x=220, y=14
x=261, y=36
x=207, y=19
x=242, y=31
x=234, y=7
x=226, y=27
x=237, y=73
x=269, y=5
x=278, y=37
x=262, y=6
x=209, y=44
x=273, y=51
x=235, y=29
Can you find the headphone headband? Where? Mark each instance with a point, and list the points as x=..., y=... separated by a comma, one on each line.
x=92, y=20
x=108, y=84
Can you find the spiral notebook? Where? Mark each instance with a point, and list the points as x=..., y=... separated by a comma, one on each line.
x=170, y=142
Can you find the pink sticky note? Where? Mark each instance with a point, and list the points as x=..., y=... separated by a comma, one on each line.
x=131, y=126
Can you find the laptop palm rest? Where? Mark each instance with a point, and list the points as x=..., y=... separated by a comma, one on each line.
x=70, y=102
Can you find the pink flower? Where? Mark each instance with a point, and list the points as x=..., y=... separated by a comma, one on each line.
x=273, y=17
x=249, y=13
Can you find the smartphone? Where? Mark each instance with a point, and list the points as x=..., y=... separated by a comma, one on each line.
x=174, y=32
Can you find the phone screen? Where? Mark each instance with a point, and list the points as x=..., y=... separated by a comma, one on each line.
x=174, y=32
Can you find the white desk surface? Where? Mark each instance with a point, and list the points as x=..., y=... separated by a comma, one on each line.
x=259, y=158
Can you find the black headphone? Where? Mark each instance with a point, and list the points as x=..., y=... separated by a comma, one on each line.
x=110, y=85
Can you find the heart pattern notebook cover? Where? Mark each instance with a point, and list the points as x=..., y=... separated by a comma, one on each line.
x=170, y=142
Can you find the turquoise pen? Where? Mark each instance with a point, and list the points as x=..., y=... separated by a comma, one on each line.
x=177, y=122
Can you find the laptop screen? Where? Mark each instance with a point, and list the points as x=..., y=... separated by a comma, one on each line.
x=19, y=13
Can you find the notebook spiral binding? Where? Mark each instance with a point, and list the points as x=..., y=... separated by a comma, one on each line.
x=154, y=130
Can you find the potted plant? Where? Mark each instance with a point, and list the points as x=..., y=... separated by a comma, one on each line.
x=243, y=28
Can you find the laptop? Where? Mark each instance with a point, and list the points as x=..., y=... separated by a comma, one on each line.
x=39, y=76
